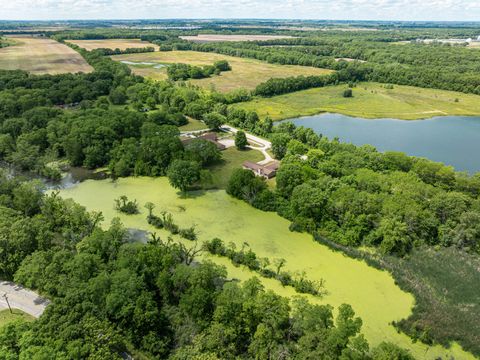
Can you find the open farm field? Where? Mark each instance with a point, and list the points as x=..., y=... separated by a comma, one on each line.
x=203, y=38
x=42, y=56
x=370, y=100
x=113, y=44
x=245, y=73
x=372, y=293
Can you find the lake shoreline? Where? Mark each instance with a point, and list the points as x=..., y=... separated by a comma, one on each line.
x=371, y=118
x=451, y=140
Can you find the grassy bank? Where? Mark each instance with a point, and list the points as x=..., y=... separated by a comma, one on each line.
x=447, y=289
x=246, y=73
x=372, y=293
x=193, y=125
x=446, y=286
x=370, y=100
x=7, y=317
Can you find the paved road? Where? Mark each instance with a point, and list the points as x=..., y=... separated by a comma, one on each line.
x=263, y=145
x=22, y=299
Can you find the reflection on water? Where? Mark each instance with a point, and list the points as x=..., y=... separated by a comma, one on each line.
x=72, y=177
x=133, y=63
x=76, y=175
x=453, y=140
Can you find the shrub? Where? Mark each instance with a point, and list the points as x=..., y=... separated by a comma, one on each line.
x=169, y=224
x=188, y=233
x=155, y=221
x=215, y=246
x=123, y=205
x=347, y=93
x=222, y=65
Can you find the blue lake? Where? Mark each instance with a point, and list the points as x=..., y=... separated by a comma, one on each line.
x=453, y=140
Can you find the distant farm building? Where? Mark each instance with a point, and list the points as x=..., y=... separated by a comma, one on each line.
x=210, y=136
x=266, y=171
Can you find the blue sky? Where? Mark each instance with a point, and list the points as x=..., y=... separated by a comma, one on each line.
x=468, y=10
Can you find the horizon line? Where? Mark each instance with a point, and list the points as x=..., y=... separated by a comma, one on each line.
x=242, y=19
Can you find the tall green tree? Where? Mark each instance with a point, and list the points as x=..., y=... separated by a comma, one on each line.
x=241, y=141
x=182, y=174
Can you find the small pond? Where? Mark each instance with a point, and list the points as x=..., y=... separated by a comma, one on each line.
x=453, y=140
x=133, y=63
x=71, y=178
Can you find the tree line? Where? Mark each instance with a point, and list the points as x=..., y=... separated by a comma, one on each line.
x=180, y=71
x=100, y=119
x=438, y=66
x=359, y=196
x=430, y=66
x=117, y=51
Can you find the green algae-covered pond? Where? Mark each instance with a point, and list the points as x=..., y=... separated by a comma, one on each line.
x=372, y=293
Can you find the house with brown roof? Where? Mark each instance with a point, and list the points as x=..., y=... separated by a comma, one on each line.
x=209, y=136
x=266, y=171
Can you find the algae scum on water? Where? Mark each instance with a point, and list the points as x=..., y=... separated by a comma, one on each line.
x=372, y=293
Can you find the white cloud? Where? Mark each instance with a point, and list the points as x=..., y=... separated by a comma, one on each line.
x=311, y=9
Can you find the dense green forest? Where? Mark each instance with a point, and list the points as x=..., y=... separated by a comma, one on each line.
x=145, y=296
x=84, y=120
x=111, y=297
x=359, y=196
x=430, y=66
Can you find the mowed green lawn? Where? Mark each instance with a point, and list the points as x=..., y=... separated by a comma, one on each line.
x=370, y=100
x=7, y=317
x=193, y=125
x=245, y=73
x=232, y=159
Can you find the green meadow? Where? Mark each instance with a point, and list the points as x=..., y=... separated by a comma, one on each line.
x=370, y=100
x=193, y=125
x=246, y=73
x=372, y=293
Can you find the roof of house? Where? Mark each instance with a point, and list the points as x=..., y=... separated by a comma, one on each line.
x=272, y=165
x=252, y=165
x=209, y=136
x=267, y=169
